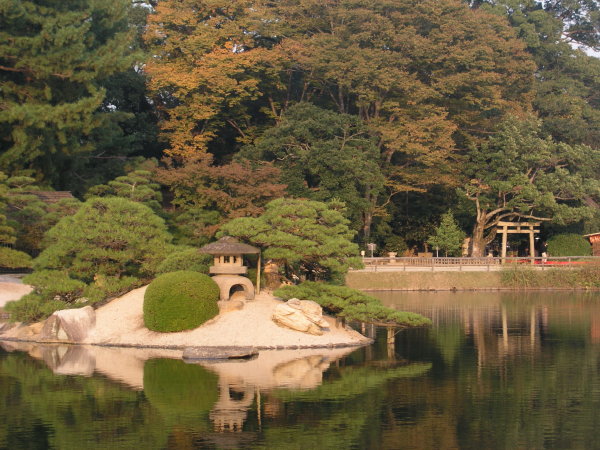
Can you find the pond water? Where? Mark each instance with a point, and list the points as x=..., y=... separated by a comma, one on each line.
x=494, y=371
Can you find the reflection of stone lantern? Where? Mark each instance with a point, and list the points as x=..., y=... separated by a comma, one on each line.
x=228, y=266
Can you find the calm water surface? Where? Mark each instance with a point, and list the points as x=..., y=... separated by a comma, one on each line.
x=495, y=371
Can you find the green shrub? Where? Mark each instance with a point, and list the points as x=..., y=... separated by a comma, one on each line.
x=569, y=244
x=395, y=244
x=179, y=301
x=578, y=277
x=32, y=308
x=186, y=259
x=14, y=259
x=351, y=304
x=54, y=290
x=55, y=285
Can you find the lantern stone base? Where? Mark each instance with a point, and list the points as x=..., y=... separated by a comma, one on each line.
x=227, y=282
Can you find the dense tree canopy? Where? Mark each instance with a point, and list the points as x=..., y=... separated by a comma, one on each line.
x=323, y=156
x=520, y=175
x=423, y=78
x=55, y=61
x=386, y=106
x=567, y=79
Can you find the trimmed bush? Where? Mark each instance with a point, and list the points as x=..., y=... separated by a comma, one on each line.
x=180, y=301
x=569, y=244
x=14, y=259
x=186, y=259
x=33, y=307
x=395, y=244
x=107, y=247
x=55, y=285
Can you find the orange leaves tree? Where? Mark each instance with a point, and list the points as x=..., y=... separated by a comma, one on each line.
x=205, y=71
x=427, y=78
x=207, y=195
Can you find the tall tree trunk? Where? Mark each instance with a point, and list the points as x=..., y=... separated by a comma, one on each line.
x=477, y=239
x=367, y=222
x=367, y=215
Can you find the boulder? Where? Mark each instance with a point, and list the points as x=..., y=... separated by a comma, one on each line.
x=69, y=324
x=300, y=315
x=230, y=305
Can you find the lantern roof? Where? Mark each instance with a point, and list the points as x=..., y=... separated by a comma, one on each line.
x=228, y=245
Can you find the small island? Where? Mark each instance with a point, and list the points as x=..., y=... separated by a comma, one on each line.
x=189, y=304
x=121, y=323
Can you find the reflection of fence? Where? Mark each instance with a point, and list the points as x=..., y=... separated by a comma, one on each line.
x=473, y=264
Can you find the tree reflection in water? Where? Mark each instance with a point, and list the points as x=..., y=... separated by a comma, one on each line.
x=495, y=370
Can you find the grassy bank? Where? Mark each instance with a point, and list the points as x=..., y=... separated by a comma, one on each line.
x=513, y=277
x=522, y=277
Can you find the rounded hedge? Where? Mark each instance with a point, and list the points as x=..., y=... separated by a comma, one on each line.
x=180, y=301
x=569, y=244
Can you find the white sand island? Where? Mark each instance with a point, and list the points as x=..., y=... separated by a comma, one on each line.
x=120, y=323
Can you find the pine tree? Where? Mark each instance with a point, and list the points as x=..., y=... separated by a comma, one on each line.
x=54, y=60
x=520, y=174
x=310, y=239
x=448, y=236
x=137, y=185
x=111, y=237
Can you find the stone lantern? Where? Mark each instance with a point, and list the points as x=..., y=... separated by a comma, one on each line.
x=228, y=267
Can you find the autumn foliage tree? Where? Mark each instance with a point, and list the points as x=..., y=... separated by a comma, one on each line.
x=426, y=78
x=206, y=70
x=210, y=194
